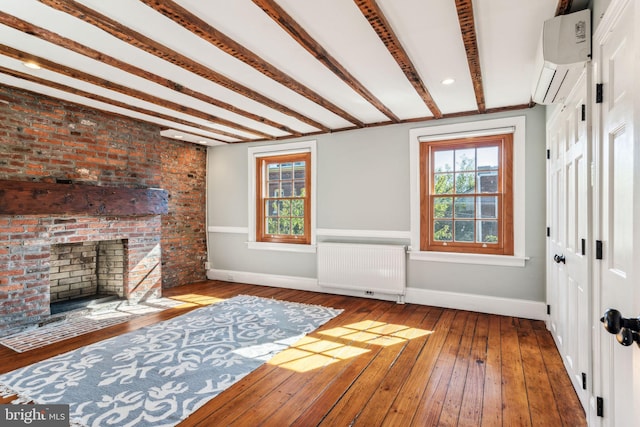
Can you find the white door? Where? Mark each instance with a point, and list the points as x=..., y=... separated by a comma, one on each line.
x=569, y=218
x=617, y=203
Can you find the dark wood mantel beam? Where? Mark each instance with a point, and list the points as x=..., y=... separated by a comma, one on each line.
x=43, y=198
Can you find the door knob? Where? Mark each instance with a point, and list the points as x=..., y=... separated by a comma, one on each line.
x=626, y=330
x=559, y=259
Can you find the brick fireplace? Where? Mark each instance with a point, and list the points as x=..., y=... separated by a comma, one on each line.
x=31, y=243
x=44, y=140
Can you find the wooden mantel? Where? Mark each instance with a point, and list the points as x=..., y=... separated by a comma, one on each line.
x=44, y=198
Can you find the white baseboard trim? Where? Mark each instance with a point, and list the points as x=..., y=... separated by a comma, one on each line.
x=479, y=303
x=288, y=282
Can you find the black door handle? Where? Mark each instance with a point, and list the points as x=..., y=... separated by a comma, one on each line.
x=559, y=259
x=625, y=330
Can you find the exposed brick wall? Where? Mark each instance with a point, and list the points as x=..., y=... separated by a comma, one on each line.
x=44, y=139
x=184, y=247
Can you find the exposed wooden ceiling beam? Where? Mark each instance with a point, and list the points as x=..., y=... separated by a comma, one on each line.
x=101, y=82
x=148, y=45
x=378, y=21
x=204, y=30
x=295, y=30
x=75, y=91
x=51, y=37
x=563, y=7
x=468, y=29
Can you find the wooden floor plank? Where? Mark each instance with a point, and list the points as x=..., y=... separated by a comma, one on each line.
x=542, y=406
x=497, y=370
x=471, y=408
x=515, y=406
x=405, y=404
x=565, y=397
x=352, y=402
x=492, y=391
x=328, y=398
x=421, y=322
x=430, y=407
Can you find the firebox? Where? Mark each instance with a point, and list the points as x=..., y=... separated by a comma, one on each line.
x=87, y=269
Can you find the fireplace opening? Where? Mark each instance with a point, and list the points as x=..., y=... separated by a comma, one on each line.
x=86, y=273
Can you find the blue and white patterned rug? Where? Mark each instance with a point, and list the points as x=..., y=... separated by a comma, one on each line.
x=160, y=374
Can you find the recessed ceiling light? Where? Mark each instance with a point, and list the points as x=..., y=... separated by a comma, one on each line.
x=178, y=136
x=32, y=65
x=448, y=81
x=202, y=141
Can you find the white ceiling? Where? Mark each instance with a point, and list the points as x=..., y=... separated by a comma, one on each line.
x=255, y=106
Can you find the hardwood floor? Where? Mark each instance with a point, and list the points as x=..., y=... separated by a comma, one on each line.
x=379, y=363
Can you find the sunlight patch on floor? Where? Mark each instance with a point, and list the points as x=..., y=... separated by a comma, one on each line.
x=193, y=300
x=342, y=343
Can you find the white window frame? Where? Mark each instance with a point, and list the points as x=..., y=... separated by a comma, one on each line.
x=254, y=153
x=515, y=125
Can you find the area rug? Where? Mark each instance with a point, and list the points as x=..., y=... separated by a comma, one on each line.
x=158, y=375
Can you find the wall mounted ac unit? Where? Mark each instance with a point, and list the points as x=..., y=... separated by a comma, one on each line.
x=565, y=47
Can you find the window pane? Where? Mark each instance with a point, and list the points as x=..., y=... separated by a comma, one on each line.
x=297, y=207
x=442, y=231
x=284, y=207
x=299, y=170
x=286, y=170
x=271, y=208
x=443, y=161
x=297, y=226
x=464, y=231
x=299, y=188
x=488, y=182
x=488, y=231
x=284, y=226
x=442, y=207
x=466, y=159
x=274, y=189
x=273, y=171
x=443, y=183
x=465, y=183
x=272, y=226
x=488, y=207
x=464, y=207
x=287, y=188
x=487, y=158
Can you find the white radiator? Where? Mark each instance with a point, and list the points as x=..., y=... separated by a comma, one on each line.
x=363, y=267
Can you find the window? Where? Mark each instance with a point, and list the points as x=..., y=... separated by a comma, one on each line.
x=466, y=196
x=283, y=203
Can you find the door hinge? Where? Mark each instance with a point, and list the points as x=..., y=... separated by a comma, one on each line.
x=548, y=309
x=599, y=407
x=584, y=112
x=584, y=381
x=548, y=231
x=548, y=154
x=584, y=247
x=599, y=93
x=598, y=249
